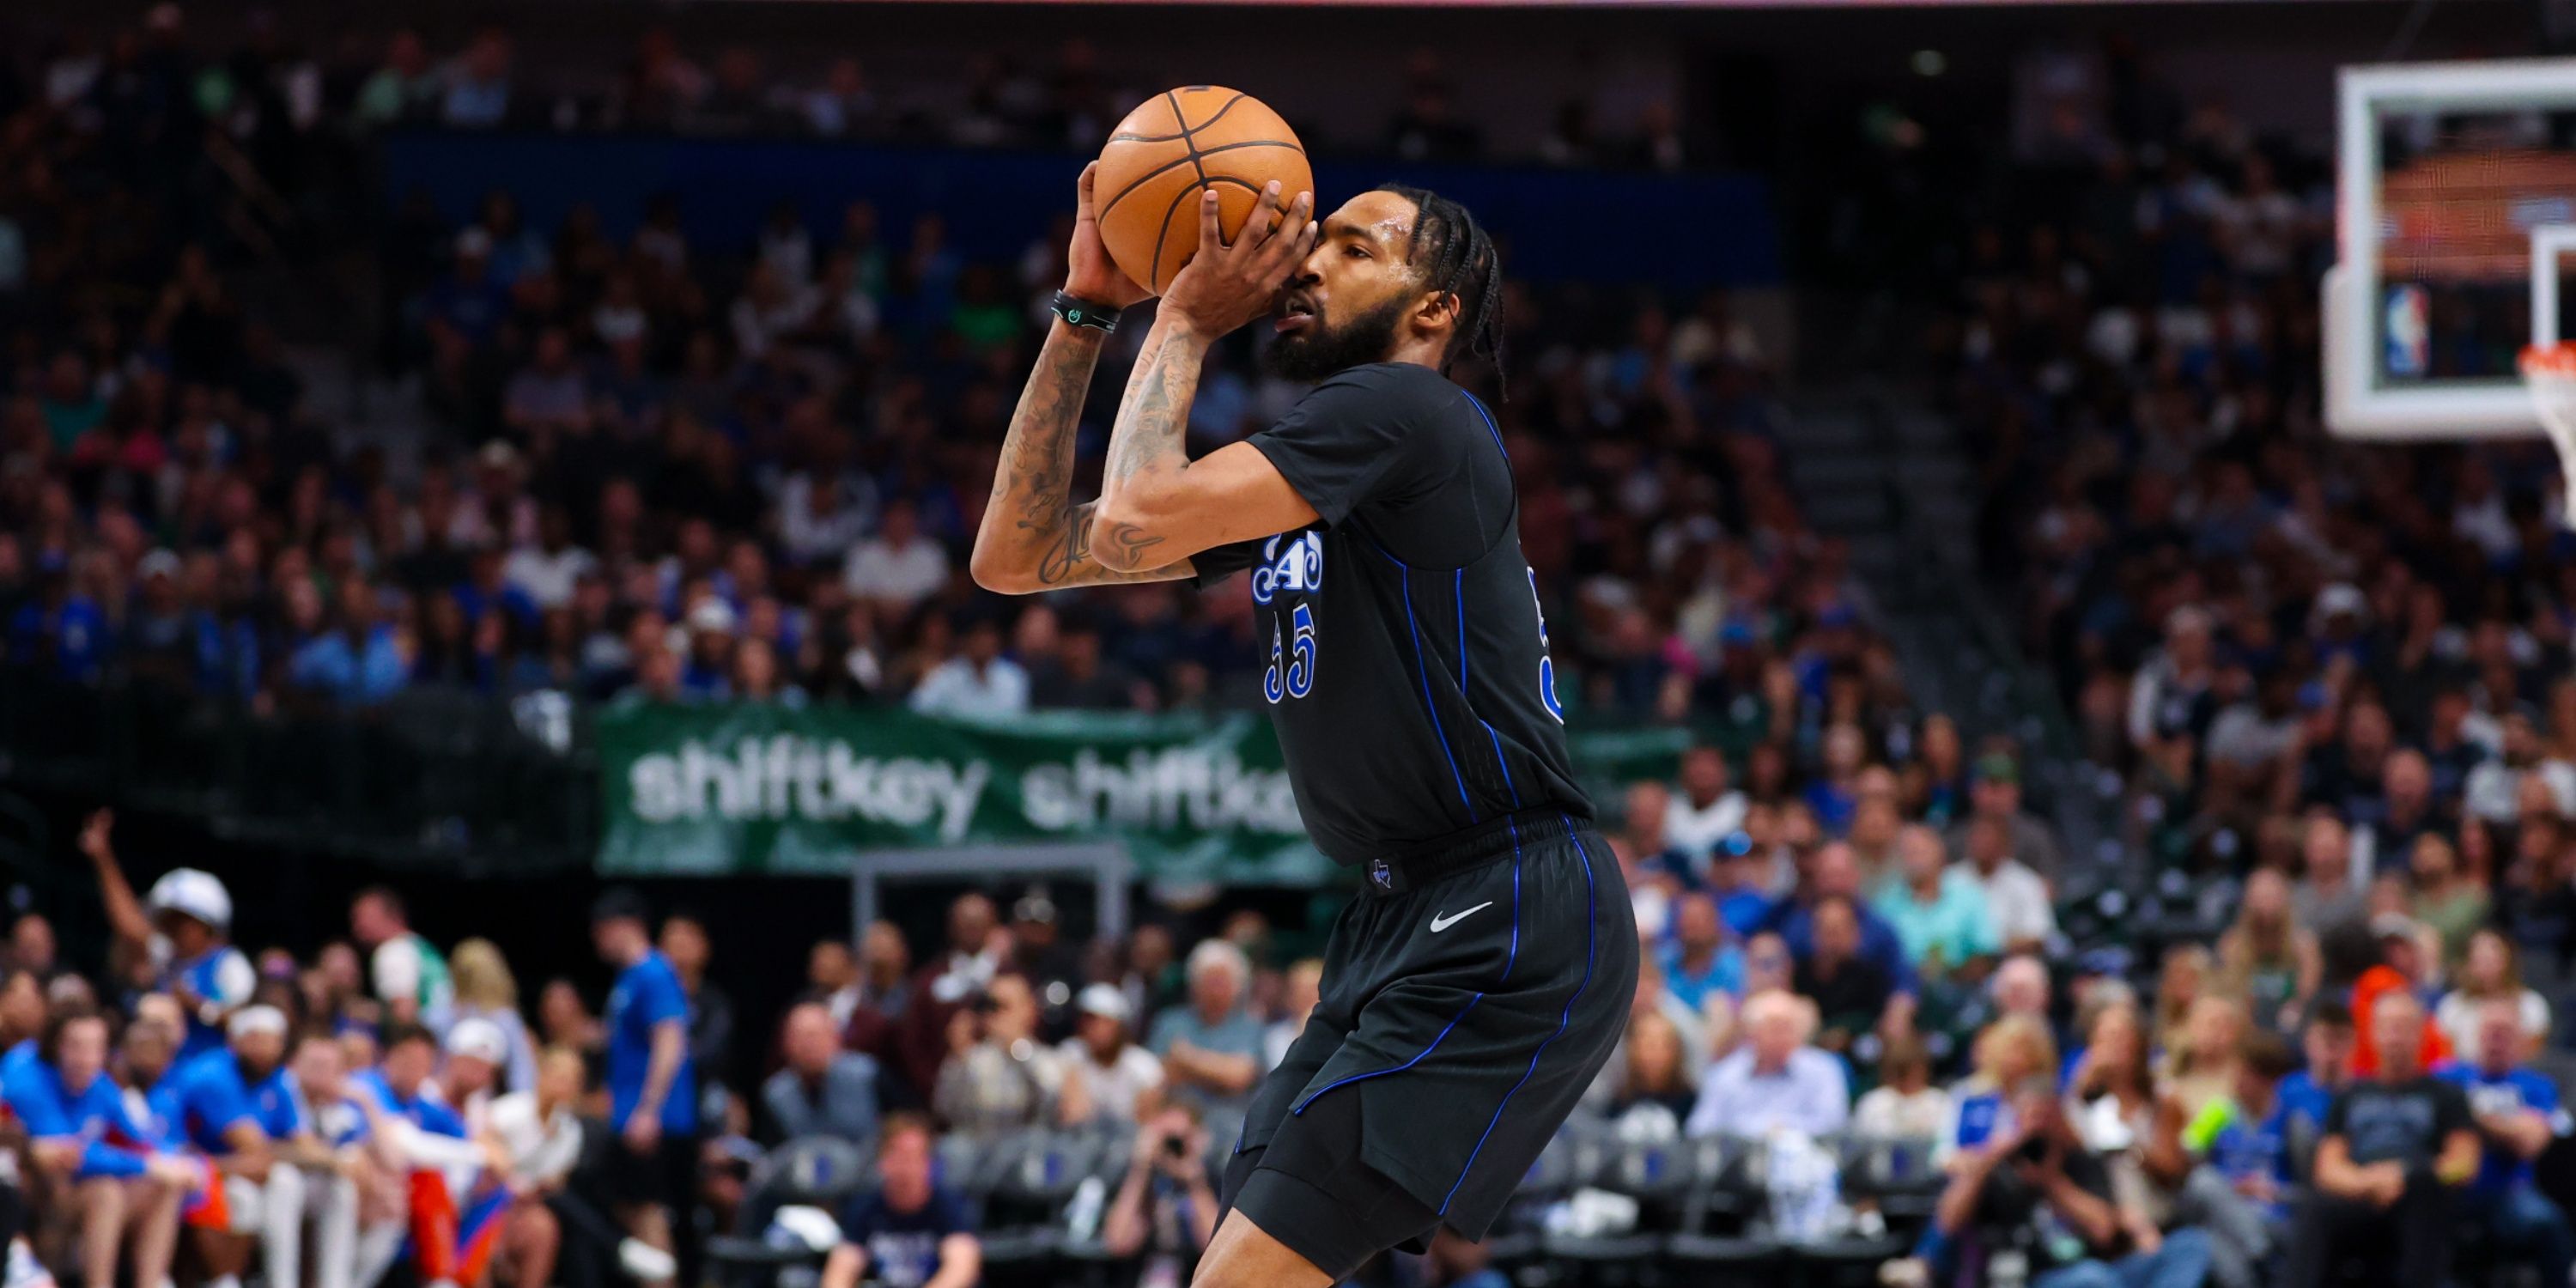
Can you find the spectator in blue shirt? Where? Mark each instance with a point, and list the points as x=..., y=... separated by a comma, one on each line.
x=2518, y=1115
x=1835, y=873
x=214, y=1108
x=908, y=1232
x=469, y=304
x=652, y=1088
x=64, y=622
x=127, y=1190
x=1699, y=960
x=2305, y=1095
x=358, y=662
x=1739, y=871
x=2239, y=1174
x=179, y=929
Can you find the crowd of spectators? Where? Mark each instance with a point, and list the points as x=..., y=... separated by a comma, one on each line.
x=2268, y=1109
x=2325, y=681
x=1067, y=98
x=2330, y=676
x=689, y=472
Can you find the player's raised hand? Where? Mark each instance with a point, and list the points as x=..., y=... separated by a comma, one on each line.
x=1089, y=273
x=1223, y=287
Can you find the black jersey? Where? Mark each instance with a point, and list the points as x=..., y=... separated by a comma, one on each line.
x=1408, y=673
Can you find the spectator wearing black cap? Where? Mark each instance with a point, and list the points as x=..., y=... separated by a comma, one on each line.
x=1038, y=951
x=652, y=1085
x=1994, y=794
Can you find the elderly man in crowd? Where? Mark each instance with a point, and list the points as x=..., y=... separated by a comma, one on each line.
x=1775, y=1082
x=1211, y=1044
x=821, y=1090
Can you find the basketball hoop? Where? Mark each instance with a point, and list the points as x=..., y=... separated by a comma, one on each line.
x=2550, y=372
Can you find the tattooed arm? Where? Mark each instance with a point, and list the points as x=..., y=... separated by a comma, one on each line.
x=1033, y=536
x=1155, y=502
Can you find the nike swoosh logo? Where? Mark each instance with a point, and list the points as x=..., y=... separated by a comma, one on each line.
x=1440, y=923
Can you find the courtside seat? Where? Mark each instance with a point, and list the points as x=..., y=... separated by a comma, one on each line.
x=1720, y=1261
x=1848, y=1262
x=1897, y=1175
x=812, y=1171
x=963, y=1163
x=1729, y=1171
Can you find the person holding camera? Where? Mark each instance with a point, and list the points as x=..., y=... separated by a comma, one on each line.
x=2038, y=1195
x=1165, y=1209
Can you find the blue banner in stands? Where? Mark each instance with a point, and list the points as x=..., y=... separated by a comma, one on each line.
x=1677, y=230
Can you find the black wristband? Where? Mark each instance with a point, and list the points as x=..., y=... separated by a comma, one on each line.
x=1077, y=311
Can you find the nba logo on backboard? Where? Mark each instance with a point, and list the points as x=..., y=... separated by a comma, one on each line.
x=1381, y=876
x=2409, y=333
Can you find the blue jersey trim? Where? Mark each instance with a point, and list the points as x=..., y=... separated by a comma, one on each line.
x=1404, y=584
x=1380, y=1073
x=1490, y=426
x=1592, y=910
x=1496, y=738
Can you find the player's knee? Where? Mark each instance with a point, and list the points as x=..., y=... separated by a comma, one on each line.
x=1243, y=1255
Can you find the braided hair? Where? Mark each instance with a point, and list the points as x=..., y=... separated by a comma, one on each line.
x=1458, y=259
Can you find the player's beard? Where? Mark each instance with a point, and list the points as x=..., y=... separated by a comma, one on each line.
x=1320, y=350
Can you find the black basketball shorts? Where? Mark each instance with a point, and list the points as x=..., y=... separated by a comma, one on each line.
x=1469, y=996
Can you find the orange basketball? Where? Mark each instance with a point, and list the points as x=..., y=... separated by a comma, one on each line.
x=1172, y=146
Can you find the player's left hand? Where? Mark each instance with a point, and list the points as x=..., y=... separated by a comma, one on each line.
x=1222, y=287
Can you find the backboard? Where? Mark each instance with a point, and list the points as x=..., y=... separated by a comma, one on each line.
x=2455, y=211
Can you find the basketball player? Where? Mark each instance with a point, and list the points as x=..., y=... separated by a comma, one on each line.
x=1478, y=983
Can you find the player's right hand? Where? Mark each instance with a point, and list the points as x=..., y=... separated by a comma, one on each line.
x=1089, y=272
x=1223, y=287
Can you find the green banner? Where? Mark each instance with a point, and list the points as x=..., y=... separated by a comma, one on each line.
x=722, y=790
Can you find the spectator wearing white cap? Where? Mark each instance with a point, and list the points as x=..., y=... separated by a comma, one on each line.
x=177, y=932
x=822, y=1090
x=470, y=1076
x=1124, y=1080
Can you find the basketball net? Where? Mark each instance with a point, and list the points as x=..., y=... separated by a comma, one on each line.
x=2549, y=370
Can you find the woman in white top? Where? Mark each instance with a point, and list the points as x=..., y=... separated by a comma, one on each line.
x=2490, y=971
x=1905, y=1105
x=542, y=1138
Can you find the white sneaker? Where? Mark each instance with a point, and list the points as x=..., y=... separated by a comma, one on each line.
x=1905, y=1272
x=23, y=1270
x=641, y=1260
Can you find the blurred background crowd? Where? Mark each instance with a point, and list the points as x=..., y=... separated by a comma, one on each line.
x=2318, y=691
